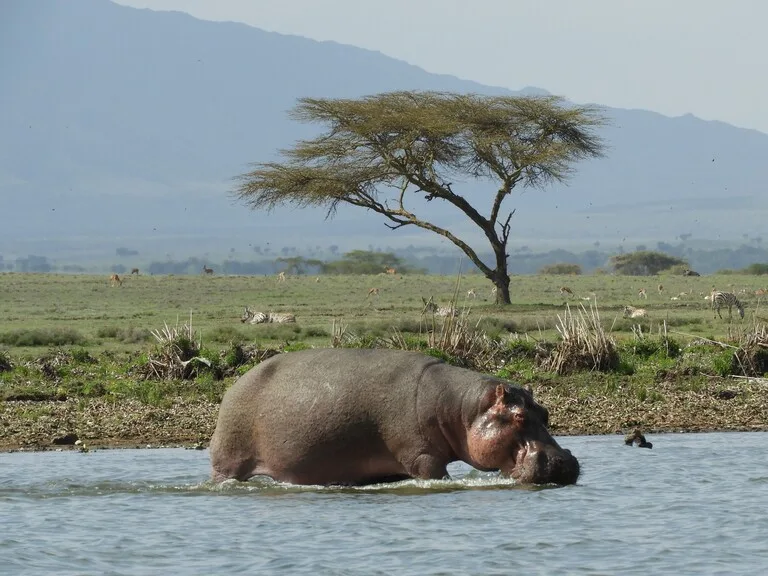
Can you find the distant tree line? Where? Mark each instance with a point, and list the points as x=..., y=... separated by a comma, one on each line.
x=746, y=259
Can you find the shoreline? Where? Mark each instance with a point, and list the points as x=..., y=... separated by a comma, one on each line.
x=101, y=423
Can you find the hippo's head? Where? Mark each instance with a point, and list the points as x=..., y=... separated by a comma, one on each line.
x=510, y=434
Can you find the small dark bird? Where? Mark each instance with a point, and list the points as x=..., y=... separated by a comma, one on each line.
x=636, y=437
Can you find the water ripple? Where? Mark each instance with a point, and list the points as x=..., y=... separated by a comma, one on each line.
x=692, y=505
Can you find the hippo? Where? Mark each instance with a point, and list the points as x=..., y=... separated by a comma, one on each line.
x=364, y=416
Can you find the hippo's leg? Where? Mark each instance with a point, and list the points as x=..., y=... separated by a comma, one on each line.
x=428, y=467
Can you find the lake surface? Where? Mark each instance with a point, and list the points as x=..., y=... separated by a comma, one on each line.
x=694, y=504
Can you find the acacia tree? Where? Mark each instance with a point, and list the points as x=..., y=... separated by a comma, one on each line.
x=380, y=150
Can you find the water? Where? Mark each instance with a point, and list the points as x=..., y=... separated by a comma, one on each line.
x=695, y=504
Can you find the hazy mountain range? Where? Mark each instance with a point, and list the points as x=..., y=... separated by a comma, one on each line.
x=124, y=128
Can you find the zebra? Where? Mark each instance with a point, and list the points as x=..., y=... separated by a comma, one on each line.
x=632, y=312
x=443, y=311
x=726, y=299
x=252, y=317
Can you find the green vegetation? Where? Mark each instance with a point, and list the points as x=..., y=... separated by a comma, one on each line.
x=561, y=268
x=390, y=152
x=168, y=343
x=645, y=263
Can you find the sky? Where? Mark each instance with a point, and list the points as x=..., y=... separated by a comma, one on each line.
x=704, y=57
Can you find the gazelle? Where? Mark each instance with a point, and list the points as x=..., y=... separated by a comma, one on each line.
x=565, y=290
x=281, y=277
x=135, y=271
x=115, y=280
x=641, y=293
x=373, y=292
x=207, y=271
x=471, y=293
x=390, y=271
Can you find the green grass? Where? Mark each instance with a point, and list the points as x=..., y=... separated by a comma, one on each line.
x=43, y=310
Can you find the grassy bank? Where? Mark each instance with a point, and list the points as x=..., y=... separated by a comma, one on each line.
x=78, y=358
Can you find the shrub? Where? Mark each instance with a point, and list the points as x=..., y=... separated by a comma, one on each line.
x=583, y=344
x=127, y=335
x=645, y=347
x=42, y=337
x=757, y=269
x=560, y=268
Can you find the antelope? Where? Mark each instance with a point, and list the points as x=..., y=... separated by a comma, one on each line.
x=135, y=271
x=632, y=312
x=317, y=279
x=493, y=292
x=660, y=288
x=115, y=280
x=207, y=271
x=390, y=271
x=641, y=293
x=565, y=290
x=471, y=293
x=761, y=292
x=373, y=292
x=281, y=277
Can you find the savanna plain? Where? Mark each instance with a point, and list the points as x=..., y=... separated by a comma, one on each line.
x=86, y=362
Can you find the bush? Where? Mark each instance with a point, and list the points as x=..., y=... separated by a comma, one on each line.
x=42, y=337
x=561, y=268
x=644, y=263
x=127, y=335
x=646, y=347
x=583, y=345
x=757, y=269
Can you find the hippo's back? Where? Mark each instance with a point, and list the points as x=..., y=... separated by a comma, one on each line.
x=300, y=413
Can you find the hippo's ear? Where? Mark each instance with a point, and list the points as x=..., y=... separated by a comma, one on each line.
x=529, y=389
x=500, y=393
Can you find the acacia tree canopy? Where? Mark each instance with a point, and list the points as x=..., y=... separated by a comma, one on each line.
x=379, y=150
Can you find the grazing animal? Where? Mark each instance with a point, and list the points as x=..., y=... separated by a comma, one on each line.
x=493, y=292
x=317, y=279
x=115, y=280
x=281, y=277
x=660, y=288
x=390, y=271
x=251, y=317
x=641, y=293
x=135, y=271
x=632, y=312
x=688, y=272
x=373, y=292
x=565, y=290
x=207, y=271
x=471, y=293
x=338, y=416
x=720, y=299
x=443, y=311
x=761, y=292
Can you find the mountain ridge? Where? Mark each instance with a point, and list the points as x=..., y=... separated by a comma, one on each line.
x=129, y=126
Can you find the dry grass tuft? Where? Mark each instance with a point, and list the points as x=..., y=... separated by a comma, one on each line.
x=176, y=355
x=751, y=357
x=584, y=345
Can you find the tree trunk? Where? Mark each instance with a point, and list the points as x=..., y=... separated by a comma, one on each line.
x=500, y=277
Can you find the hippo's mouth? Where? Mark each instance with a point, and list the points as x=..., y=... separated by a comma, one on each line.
x=544, y=464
